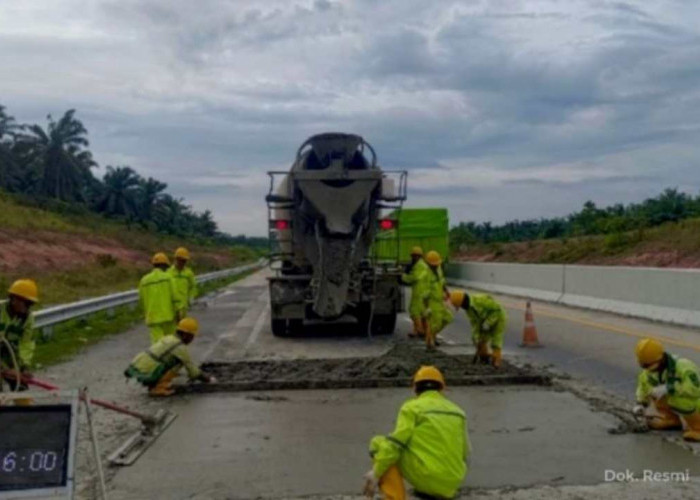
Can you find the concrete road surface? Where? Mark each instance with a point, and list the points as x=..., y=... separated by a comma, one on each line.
x=314, y=443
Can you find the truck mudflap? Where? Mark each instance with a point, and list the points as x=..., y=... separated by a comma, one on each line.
x=288, y=296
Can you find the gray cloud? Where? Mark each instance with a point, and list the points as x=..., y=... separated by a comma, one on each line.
x=500, y=109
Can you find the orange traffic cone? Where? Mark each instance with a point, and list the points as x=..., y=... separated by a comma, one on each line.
x=530, y=331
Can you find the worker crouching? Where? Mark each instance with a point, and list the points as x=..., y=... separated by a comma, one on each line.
x=668, y=390
x=488, y=321
x=17, y=343
x=156, y=367
x=429, y=447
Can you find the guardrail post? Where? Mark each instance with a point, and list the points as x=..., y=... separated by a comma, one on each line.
x=47, y=332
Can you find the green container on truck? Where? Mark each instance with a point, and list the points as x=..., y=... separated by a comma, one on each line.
x=427, y=228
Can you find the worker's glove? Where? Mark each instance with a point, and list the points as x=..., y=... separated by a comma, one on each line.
x=638, y=410
x=485, y=327
x=371, y=484
x=659, y=391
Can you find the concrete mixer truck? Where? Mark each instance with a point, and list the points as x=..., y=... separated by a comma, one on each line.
x=324, y=214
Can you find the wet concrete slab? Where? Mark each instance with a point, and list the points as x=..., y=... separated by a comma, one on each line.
x=292, y=443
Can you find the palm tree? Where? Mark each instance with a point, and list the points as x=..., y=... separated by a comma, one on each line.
x=120, y=192
x=206, y=226
x=150, y=193
x=170, y=215
x=58, y=154
x=8, y=163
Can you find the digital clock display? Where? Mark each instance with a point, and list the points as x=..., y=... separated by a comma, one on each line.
x=34, y=445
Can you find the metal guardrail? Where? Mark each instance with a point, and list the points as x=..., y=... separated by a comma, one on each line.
x=45, y=319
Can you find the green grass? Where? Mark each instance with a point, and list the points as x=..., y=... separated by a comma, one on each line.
x=680, y=239
x=72, y=337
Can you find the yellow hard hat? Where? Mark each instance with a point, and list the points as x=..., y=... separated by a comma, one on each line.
x=428, y=373
x=649, y=351
x=182, y=253
x=416, y=251
x=26, y=289
x=457, y=298
x=188, y=325
x=160, y=258
x=433, y=258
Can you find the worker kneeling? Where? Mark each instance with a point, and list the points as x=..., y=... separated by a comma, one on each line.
x=160, y=364
x=429, y=447
x=668, y=390
x=488, y=322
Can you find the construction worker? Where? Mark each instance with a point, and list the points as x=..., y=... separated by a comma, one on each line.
x=488, y=320
x=185, y=284
x=17, y=333
x=429, y=446
x=668, y=390
x=160, y=364
x=415, y=272
x=432, y=289
x=159, y=300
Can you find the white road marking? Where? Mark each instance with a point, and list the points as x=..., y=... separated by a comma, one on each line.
x=262, y=319
x=245, y=321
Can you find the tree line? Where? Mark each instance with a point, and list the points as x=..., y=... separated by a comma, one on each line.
x=670, y=206
x=53, y=166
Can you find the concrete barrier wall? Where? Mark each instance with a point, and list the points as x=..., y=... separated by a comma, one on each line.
x=670, y=295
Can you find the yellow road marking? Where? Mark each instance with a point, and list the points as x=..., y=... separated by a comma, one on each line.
x=542, y=311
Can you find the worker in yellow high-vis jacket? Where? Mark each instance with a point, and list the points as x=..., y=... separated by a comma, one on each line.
x=668, y=390
x=159, y=300
x=415, y=273
x=429, y=447
x=17, y=343
x=488, y=321
x=185, y=282
x=160, y=364
x=433, y=292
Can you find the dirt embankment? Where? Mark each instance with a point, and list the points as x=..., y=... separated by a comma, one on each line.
x=670, y=245
x=71, y=266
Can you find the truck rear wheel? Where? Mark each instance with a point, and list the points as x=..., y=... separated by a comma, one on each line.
x=279, y=327
x=382, y=324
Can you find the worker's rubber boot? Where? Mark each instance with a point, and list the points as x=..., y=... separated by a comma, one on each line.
x=429, y=340
x=391, y=484
x=164, y=386
x=691, y=427
x=483, y=354
x=663, y=418
x=496, y=359
x=417, y=327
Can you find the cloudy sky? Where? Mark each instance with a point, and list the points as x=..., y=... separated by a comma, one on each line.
x=499, y=109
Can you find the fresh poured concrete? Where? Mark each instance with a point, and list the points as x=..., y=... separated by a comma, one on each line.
x=297, y=443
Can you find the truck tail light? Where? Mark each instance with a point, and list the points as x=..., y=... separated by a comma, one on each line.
x=281, y=225
x=387, y=224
